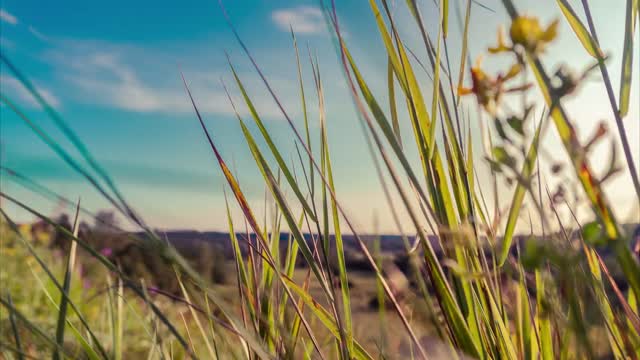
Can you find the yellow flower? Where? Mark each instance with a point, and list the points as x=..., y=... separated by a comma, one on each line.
x=502, y=45
x=528, y=32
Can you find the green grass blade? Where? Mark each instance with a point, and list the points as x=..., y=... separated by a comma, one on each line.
x=274, y=149
x=384, y=125
x=342, y=268
x=196, y=318
x=119, y=320
x=445, y=17
x=543, y=319
x=114, y=321
x=526, y=336
x=392, y=101
x=613, y=333
x=14, y=329
x=463, y=333
x=304, y=112
x=388, y=43
x=627, y=57
x=448, y=302
x=244, y=282
x=280, y=199
x=62, y=314
x=431, y=139
x=251, y=218
x=590, y=45
x=614, y=106
x=405, y=75
x=526, y=173
x=464, y=52
x=503, y=333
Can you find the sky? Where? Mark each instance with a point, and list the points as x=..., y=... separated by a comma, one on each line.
x=112, y=70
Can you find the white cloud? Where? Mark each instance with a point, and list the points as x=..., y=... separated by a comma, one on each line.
x=303, y=19
x=104, y=78
x=5, y=16
x=11, y=85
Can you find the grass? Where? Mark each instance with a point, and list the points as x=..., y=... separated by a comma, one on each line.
x=553, y=298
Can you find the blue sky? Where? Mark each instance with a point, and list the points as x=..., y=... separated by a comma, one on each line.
x=112, y=70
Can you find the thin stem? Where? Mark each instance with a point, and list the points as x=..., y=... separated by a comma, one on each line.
x=614, y=107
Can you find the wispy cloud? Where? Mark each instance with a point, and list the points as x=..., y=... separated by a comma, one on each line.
x=11, y=85
x=7, y=17
x=107, y=78
x=40, y=36
x=303, y=19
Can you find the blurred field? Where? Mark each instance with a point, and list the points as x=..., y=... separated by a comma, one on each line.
x=36, y=297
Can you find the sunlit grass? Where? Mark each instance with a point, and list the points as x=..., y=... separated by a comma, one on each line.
x=474, y=296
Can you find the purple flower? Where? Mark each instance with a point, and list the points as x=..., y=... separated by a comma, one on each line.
x=106, y=251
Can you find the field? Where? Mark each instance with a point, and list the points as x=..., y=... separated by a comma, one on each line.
x=470, y=277
x=90, y=284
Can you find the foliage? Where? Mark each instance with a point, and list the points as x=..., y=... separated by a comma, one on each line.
x=553, y=297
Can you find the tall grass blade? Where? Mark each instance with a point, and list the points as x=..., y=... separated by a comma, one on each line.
x=543, y=320
x=612, y=99
x=447, y=300
x=464, y=51
x=62, y=314
x=528, y=167
x=627, y=57
x=280, y=199
x=580, y=30
x=14, y=329
x=274, y=149
x=392, y=101
x=360, y=243
x=196, y=318
x=252, y=220
x=445, y=17
x=613, y=333
x=304, y=112
x=113, y=318
x=342, y=268
x=436, y=77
